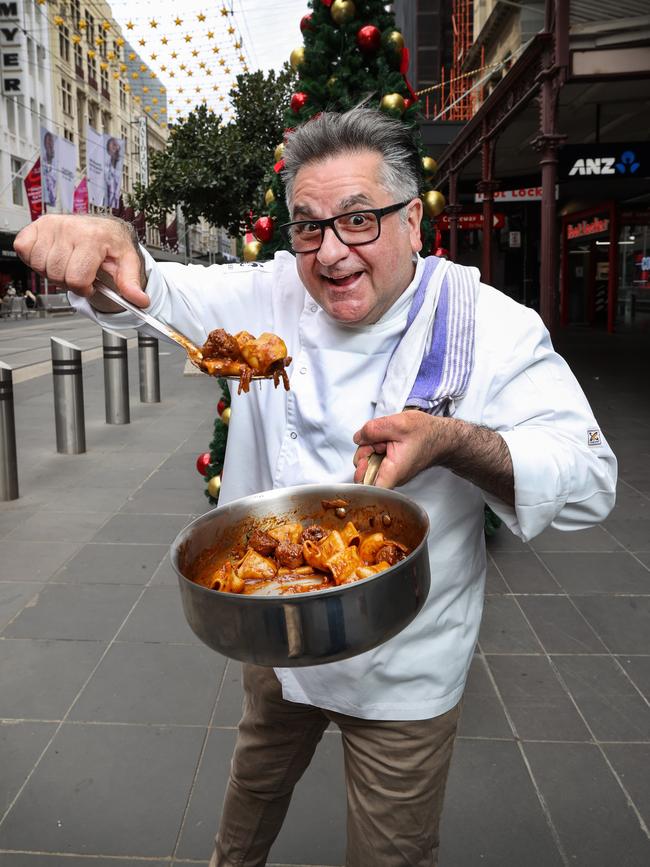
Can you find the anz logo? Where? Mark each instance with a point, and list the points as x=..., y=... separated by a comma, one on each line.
x=626, y=165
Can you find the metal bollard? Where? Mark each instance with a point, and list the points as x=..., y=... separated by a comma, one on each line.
x=149, y=369
x=68, y=397
x=8, y=462
x=116, y=379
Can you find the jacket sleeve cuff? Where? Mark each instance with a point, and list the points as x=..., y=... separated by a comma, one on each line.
x=547, y=478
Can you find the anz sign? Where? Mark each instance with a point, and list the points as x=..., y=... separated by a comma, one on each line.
x=613, y=160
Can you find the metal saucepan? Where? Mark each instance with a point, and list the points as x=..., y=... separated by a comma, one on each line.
x=307, y=628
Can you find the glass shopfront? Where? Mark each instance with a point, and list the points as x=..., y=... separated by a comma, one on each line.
x=633, y=308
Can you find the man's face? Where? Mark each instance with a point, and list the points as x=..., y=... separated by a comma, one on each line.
x=354, y=285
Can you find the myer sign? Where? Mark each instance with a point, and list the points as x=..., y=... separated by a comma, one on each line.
x=11, y=40
x=614, y=161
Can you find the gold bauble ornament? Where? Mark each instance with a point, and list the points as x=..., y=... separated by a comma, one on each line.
x=393, y=103
x=214, y=486
x=331, y=81
x=278, y=153
x=269, y=197
x=225, y=415
x=395, y=42
x=297, y=57
x=429, y=167
x=251, y=251
x=342, y=11
x=434, y=203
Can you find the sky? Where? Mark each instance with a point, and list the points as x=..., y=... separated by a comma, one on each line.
x=197, y=48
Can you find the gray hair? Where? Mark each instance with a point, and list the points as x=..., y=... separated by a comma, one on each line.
x=331, y=134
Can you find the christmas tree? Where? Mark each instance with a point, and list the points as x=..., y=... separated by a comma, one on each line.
x=351, y=54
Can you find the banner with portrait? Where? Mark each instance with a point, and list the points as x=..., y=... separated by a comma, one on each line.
x=80, y=201
x=113, y=165
x=95, y=166
x=49, y=167
x=34, y=190
x=66, y=157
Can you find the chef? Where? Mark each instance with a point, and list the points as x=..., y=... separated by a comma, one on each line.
x=372, y=328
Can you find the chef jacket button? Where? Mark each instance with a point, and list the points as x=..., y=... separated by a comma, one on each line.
x=294, y=435
x=313, y=308
x=303, y=370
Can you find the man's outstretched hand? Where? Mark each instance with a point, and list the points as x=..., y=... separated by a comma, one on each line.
x=71, y=250
x=413, y=441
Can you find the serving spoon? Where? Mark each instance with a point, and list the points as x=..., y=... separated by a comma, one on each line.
x=194, y=353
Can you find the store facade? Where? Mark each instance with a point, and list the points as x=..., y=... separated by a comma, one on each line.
x=567, y=125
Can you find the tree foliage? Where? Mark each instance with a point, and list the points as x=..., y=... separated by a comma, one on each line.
x=215, y=170
x=336, y=74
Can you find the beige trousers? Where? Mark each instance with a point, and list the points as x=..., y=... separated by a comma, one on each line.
x=395, y=777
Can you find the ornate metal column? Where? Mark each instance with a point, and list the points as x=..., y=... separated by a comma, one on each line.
x=553, y=75
x=453, y=209
x=487, y=187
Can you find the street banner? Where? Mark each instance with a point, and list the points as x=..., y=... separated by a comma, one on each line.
x=66, y=157
x=95, y=166
x=33, y=188
x=49, y=166
x=80, y=200
x=113, y=165
x=11, y=49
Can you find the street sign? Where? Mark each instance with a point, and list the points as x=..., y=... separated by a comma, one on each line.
x=472, y=221
x=514, y=239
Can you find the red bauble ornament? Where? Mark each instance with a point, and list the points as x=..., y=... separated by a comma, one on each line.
x=442, y=253
x=221, y=406
x=298, y=101
x=263, y=229
x=326, y=2
x=408, y=102
x=305, y=23
x=203, y=462
x=369, y=38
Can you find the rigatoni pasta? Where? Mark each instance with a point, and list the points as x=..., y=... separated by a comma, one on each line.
x=293, y=558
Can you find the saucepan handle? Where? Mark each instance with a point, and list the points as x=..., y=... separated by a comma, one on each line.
x=374, y=462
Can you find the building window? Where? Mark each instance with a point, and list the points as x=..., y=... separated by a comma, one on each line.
x=11, y=116
x=122, y=96
x=103, y=75
x=68, y=134
x=75, y=9
x=17, y=181
x=64, y=44
x=78, y=60
x=92, y=72
x=90, y=29
x=66, y=96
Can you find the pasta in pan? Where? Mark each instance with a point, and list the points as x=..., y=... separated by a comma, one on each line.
x=292, y=558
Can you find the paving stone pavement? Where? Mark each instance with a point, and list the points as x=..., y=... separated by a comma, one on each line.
x=117, y=725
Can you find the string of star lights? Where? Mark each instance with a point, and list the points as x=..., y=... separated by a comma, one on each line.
x=197, y=50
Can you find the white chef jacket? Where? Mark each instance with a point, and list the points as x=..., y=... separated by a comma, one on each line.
x=565, y=473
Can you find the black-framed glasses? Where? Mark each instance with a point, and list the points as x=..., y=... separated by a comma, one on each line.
x=354, y=229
